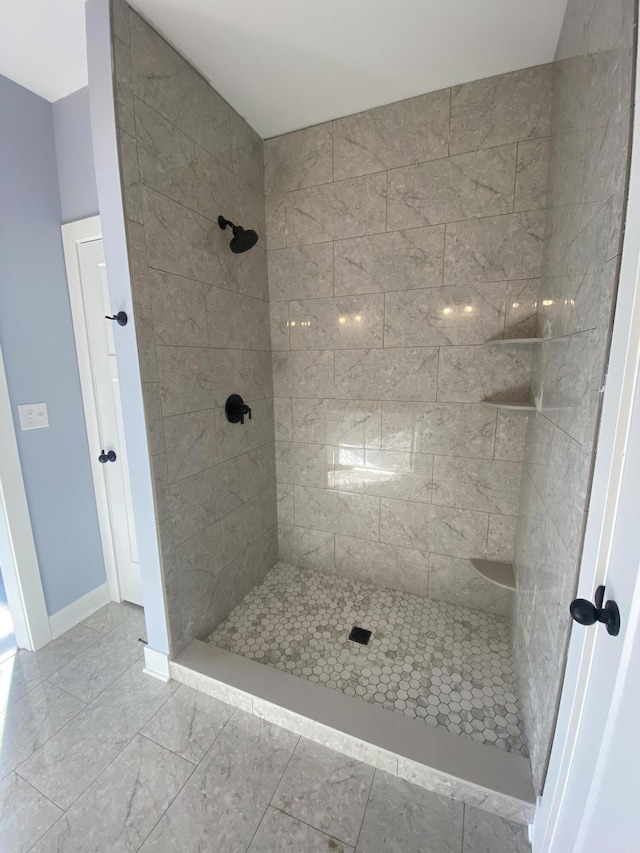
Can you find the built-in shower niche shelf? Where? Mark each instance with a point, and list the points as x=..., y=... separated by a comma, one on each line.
x=500, y=574
x=515, y=405
x=513, y=342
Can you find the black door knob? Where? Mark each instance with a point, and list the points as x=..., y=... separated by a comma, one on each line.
x=107, y=457
x=586, y=613
x=235, y=409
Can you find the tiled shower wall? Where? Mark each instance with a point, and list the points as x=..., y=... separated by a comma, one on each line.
x=202, y=321
x=401, y=240
x=592, y=86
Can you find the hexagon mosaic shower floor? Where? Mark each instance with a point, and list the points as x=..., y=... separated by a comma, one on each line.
x=439, y=663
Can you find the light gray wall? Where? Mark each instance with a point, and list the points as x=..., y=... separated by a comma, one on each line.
x=74, y=155
x=39, y=351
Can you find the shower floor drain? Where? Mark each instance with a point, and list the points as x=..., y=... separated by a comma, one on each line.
x=360, y=635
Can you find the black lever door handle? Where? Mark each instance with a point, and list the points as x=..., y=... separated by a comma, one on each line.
x=107, y=457
x=586, y=613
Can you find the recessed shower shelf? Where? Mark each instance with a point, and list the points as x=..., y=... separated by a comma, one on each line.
x=525, y=406
x=513, y=341
x=500, y=574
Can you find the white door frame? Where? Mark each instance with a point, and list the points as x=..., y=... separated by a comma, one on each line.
x=18, y=557
x=73, y=235
x=555, y=820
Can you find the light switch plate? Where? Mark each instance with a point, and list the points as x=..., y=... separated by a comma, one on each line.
x=33, y=416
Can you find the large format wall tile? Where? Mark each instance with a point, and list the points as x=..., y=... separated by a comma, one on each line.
x=388, y=566
x=476, y=184
x=487, y=485
x=398, y=134
x=446, y=530
x=396, y=261
x=193, y=378
x=472, y=374
x=337, y=512
x=449, y=429
x=408, y=373
x=349, y=424
x=386, y=473
x=300, y=159
x=456, y=581
x=348, y=208
x=507, y=108
x=178, y=308
x=348, y=322
x=309, y=549
x=301, y=374
x=302, y=272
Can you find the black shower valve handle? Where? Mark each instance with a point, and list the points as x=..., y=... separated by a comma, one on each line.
x=235, y=409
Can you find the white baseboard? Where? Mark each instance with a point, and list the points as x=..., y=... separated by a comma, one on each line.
x=156, y=664
x=79, y=610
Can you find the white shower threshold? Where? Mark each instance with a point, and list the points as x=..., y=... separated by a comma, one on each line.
x=432, y=757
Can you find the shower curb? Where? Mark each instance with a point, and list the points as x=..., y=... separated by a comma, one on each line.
x=456, y=767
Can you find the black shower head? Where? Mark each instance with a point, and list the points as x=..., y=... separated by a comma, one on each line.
x=242, y=240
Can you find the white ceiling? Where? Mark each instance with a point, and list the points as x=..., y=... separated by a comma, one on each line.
x=286, y=64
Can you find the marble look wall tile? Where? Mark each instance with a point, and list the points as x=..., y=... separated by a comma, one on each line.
x=166, y=156
x=167, y=551
x=443, y=529
x=146, y=344
x=302, y=272
x=243, y=526
x=191, y=443
x=494, y=248
x=249, y=271
x=141, y=783
x=476, y=184
x=337, y=512
x=198, y=559
x=387, y=566
x=130, y=177
x=456, y=581
x=386, y=473
x=275, y=212
x=124, y=87
x=138, y=270
x=309, y=549
x=178, y=239
x=501, y=538
x=254, y=754
x=201, y=499
x=348, y=322
x=300, y=374
x=388, y=374
x=471, y=374
x=462, y=314
x=167, y=83
x=397, y=134
x=255, y=432
x=511, y=433
x=401, y=815
x=153, y=417
x=485, y=485
x=279, y=321
x=496, y=110
x=523, y=299
x=194, y=378
x=448, y=429
x=278, y=831
x=605, y=170
x=340, y=210
x=300, y=159
x=178, y=307
x=236, y=321
x=396, y=261
x=25, y=815
x=608, y=26
x=305, y=464
x=283, y=426
x=532, y=174
x=257, y=377
x=347, y=424
x=284, y=492
x=246, y=152
x=161, y=486
x=326, y=789
x=120, y=17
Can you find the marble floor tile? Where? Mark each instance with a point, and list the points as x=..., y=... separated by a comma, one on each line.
x=222, y=804
x=25, y=815
x=31, y=721
x=107, y=618
x=401, y=816
x=188, y=723
x=325, y=789
x=72, y=759
x=124, y=803
x=489, y=833
x=87, y=675
x=279, y=833
x=437, y=663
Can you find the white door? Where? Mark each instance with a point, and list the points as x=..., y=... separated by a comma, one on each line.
x=94, y=335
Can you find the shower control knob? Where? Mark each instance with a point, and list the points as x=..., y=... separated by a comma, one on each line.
x=235, y=409
x=586, y=613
